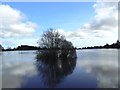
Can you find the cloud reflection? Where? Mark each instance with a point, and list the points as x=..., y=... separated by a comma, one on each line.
x=105, y=71
x=13, y=73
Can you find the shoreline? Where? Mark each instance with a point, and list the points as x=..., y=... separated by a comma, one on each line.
x=58, y=49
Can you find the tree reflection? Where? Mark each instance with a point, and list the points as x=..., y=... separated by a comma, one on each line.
x=54, y=65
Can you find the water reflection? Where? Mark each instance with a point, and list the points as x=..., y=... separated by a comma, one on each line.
x=54, y=65
x=104, y=67
x=92, y=69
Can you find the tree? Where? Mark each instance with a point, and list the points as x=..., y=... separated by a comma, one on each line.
x=56, y=44
x=1, y=48
x=57, y=60
x=53, y=39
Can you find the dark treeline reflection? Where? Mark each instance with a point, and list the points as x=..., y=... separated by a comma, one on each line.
x=54, y=65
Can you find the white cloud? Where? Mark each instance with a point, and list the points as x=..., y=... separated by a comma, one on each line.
x=103, y=25
x=70, y=34
x=62, y=31
x=13, y=23
x=102, y=29
x=105, y=22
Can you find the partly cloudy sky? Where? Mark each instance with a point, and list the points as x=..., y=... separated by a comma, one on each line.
x=83, y=23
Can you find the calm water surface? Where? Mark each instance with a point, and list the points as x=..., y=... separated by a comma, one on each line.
x=91, y=69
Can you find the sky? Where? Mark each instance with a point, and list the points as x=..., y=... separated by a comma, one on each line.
x=82, y=23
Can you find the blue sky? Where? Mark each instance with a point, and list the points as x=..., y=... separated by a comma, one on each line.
x=76, y=19
x=63, y=15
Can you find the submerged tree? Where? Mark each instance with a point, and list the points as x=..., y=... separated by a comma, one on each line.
x=53, y=72
x=56, y=45
x=57, y=60
x=53, y=39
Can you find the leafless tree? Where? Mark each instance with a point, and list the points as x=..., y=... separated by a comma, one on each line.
x=53, y=39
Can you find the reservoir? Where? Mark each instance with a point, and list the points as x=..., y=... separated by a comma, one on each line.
x=93, y=68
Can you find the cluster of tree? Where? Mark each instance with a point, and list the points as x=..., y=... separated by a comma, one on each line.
x=56, y=45
x=1, y=48
x=27, y=47
x=58, y=61
x=52, y=39
x=22, y=47
x=114, y=45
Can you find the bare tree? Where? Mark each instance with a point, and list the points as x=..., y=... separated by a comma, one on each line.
x=56, y=44
x=53, y=39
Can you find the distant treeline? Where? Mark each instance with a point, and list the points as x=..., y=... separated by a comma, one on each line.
x=107, y=46
x=27, y=47
x=22, y=47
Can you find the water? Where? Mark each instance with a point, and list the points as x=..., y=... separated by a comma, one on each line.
x=92, y=69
